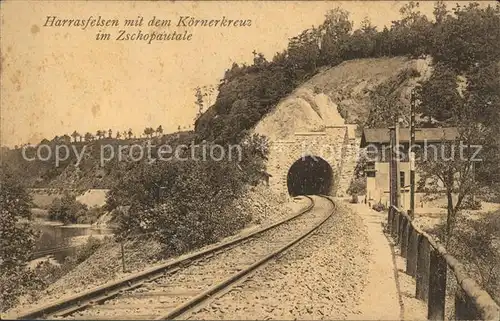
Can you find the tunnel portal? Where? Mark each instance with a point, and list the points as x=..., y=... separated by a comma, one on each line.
x=310, y=175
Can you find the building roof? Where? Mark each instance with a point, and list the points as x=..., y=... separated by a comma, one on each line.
x=381, y=135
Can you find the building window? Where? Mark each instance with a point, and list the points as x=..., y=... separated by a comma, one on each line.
x=402, y=179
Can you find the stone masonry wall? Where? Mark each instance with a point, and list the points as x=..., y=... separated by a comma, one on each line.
x=336, y=145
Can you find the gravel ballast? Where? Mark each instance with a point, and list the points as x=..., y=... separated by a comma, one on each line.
x=320, y=278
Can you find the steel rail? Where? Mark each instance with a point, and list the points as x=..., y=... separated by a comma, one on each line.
x=102, y=293
x=223, y=285
x=42, y=253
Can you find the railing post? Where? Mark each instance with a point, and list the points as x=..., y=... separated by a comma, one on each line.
x=401, y=219
x=464, y=308
x=395, y=218
x=422, y=278
x=404, y=236
x=437, y=286
x=412, y=251
x=123, y=256
x=389, y=219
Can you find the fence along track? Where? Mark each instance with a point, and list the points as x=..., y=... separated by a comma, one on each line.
x=428, y=261
x=100, y=294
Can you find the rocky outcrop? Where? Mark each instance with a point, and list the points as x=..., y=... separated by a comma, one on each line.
x=321, y=115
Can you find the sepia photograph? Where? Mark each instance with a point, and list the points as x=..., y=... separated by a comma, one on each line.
x=249, y=160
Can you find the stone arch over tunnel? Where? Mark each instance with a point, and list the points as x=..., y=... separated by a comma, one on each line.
x=310, y=175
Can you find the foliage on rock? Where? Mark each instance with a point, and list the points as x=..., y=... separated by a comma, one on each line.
x=386, y=106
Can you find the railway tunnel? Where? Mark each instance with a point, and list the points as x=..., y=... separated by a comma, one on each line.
x=310, y=175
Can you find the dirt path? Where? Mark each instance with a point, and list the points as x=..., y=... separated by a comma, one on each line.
x=380, y=299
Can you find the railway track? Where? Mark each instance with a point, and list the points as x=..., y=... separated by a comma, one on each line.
x=53, y=251
x=171, y=290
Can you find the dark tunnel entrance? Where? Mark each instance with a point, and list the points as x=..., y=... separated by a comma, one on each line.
x=310, y=176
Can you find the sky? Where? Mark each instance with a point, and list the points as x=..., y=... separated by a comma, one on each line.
x=55, y=80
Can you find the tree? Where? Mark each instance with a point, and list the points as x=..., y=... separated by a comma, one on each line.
x=453, y=162
x=362, y=42
x=470, y=36
x=474, y=111
x=159, y=130
x=75, y=134
x=413, y=33
x=258, y=59
x=382, y=46
x=232, y=73
x=110, y=133
x=280, y=58
x=439, y=96
x=482, y=106
x=483, y=94
x=118, y=135
x=304, y=52
x=89, y=137
x=148, y=132
x=66, y=139
x=440, y=12
x=129, y=133
x=199, y=101
x=208, y=92
x=335, y=30
x=17, y=240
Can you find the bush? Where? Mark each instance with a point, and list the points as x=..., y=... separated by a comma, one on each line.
x=429, y=197
x=67, y=209
x=181, y=230
x=357, y=186
x=488, y=194
x=185, y=204
x=476, y=244
x=379, y=207
x=470, y=203
x=90, y=216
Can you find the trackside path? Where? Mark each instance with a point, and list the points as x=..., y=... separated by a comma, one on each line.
x=380, y=299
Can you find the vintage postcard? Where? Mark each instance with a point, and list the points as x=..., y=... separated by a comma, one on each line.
x=267, y=160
